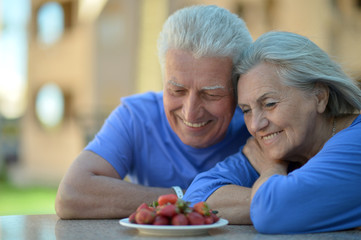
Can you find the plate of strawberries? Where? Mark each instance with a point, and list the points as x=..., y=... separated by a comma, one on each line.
x=171, y=216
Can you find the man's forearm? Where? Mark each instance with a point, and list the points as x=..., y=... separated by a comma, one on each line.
x=233, y=203
x=103, y=197
x=92, y=188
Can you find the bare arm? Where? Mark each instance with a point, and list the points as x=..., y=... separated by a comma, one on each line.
x=93, y=189
x=233, y=203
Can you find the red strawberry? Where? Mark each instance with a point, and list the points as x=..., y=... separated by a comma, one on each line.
x=143, y=206
x=208, y=220
x=145, y=216
x=214, y=216
x=195, y=218
x=202, y=208
x=161, y=220
x=167, y=210
x=171, y=210
x=169, y=198
x=132, y=217
x=180, y=219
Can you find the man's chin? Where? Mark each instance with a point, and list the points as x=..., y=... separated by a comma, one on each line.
x=197, y=144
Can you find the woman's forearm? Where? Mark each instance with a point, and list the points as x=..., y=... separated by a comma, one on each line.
x=277, y=169
x=233, y=203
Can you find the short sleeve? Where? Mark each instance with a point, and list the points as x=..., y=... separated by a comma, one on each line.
x=114, y=141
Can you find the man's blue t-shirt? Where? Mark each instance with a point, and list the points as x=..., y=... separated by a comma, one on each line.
x=137, y=140
x=323, y=195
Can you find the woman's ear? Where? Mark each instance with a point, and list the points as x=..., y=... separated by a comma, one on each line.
x=322, y=94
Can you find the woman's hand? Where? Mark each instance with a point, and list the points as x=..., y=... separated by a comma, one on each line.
x=265, y=166
x=259, y=160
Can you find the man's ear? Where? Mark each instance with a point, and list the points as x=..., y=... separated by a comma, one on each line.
x=322, y=93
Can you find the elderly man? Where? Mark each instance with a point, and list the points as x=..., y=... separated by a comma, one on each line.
x=161, y=141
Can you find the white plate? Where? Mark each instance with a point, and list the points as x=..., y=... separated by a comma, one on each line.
x=170, y=230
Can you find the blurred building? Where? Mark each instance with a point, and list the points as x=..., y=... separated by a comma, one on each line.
x=84, y=55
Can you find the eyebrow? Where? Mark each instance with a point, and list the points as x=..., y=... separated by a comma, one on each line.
x=175, y=83
x=241, y=106
x=203, y=88
x=213, y=87
x=263, y=96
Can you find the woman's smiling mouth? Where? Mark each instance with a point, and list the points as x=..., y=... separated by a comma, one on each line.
x=270, y=136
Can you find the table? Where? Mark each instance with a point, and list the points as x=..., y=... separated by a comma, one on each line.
x=48, y=227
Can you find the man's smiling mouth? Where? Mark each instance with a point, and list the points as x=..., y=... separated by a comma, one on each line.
x=195, y=125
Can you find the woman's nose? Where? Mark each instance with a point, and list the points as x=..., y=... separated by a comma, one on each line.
x=259, y=121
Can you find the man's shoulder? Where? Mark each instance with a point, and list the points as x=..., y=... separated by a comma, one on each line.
x=142, y=107
x=147, y=97
x=237, y=123
x=238, y=114
x=149, y=101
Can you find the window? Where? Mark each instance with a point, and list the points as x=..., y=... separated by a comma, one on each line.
x=49, y=105
x=13, y=57
x=50, y=23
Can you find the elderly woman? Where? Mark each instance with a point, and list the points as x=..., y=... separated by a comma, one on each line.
x=301, y=170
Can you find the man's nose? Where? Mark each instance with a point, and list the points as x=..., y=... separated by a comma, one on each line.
x=191, y=107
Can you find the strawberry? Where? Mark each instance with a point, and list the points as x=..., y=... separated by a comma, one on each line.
x=202, y=208
x=167, y=210
x=171, y=210
x=132, y=217
x=143, y=206
x=208, y=220
x=168, y=198
x=161, y=220
x=195, y=218
x=214, y=216
x=145, y=216
x=180, y=219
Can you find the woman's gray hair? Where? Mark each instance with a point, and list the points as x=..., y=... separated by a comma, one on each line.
x=206, y=31
x=302, y=64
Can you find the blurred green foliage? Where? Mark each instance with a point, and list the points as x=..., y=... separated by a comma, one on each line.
x=26, y=200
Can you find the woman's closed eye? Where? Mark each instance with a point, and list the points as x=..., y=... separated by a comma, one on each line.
x=245, y=110
x=270, y=105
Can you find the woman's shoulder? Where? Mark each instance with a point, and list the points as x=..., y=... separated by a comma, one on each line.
x=352, y=124
x=343, y=150
x=350, y=133
x=356, y=120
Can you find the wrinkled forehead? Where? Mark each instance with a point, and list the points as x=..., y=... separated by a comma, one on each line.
x=210, y=72
x=260, y=79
